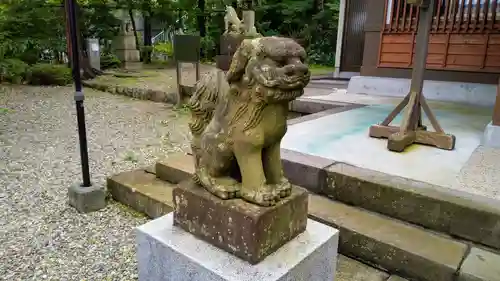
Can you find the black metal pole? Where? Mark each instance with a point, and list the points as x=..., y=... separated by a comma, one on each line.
x=79, y=97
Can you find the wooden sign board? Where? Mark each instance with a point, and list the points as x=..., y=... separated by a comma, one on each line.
x=186, y=49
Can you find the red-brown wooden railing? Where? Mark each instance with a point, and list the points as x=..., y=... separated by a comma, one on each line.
x=465, y=35
x=456, y=16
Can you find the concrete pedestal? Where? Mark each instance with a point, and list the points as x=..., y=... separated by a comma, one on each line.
x=168, y=253
x=466, y=93
x=491, y=136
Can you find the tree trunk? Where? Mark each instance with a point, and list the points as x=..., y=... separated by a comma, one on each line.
x=134, y=28
x=201, y=18
x=319, y=6
x=147, y=39
x=88, y=71
x=180, y=23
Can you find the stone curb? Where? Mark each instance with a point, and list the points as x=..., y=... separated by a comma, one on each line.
x=310, y=106
x=138, y=93
x=316, y=115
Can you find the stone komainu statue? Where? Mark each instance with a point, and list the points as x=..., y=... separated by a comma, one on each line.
x=236, y=27
x=238, y=120
x=232, y=22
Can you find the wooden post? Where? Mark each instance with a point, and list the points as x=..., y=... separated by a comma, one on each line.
x=179, y=87
x=496, y=111
x=411, y=129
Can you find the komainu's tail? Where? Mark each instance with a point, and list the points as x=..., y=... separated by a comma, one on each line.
x=204, y=100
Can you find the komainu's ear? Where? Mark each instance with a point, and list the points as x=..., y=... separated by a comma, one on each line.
x=240, y=61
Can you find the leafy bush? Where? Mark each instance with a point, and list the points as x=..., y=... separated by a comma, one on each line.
x=110, y=61
x=50, y=74
x=208, y=47
x=13, y=71
x=30, y=56
x=164, y=49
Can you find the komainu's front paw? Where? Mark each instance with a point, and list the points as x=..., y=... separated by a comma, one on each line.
x=265, y=195
x=284, y=188
x=224, y=187
x=225, y=191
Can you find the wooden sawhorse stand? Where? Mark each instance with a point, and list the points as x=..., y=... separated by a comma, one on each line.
x=411, y=129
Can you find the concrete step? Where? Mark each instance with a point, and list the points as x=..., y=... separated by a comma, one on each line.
x=392, y=245
x=349, y=270
x=142, y=191
x=459, y=214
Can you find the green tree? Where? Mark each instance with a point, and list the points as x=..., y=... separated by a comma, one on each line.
x=35, y=30
x=313, y=23
x=28, y=28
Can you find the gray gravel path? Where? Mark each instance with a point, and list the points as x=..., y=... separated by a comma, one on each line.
x=41, y=237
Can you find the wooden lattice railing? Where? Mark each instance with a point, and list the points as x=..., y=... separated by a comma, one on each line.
x=465, y=35
x=471, y=16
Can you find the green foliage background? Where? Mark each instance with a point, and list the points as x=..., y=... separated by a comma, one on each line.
x=33, y=31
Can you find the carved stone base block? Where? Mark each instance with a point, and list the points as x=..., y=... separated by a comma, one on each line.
x=128, y=56
x=246, y=230
x=168, y=253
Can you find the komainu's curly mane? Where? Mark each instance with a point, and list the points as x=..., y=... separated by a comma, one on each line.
x=204, y=100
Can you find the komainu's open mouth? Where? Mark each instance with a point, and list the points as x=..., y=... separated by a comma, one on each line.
x=293, y=82
x=282, y=78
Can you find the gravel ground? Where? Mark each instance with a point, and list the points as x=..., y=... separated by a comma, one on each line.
x=41, y=237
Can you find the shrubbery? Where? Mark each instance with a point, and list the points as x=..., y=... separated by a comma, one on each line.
x=165, y=49
x=13, y=71
x=109, y=60
x=50, y=74
x=16, y=71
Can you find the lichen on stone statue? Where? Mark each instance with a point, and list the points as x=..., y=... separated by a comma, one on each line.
x=238, y=120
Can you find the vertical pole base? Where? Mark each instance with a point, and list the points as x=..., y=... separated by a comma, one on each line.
x=87, y=199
